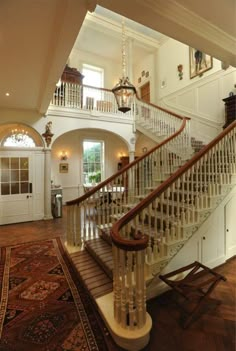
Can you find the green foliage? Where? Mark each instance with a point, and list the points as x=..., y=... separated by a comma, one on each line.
x=95, y=177
x=92, y=162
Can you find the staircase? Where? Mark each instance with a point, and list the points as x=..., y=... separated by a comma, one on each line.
x=132, y=224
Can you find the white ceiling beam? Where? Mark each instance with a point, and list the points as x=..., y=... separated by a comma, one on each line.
x=106, y=24
x=178, y=22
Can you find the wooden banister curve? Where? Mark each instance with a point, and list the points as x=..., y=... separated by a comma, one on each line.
x=134, y=244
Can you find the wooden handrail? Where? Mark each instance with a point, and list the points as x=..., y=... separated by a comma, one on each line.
x=91, y=87
x=130, y=245
x=162, y=109
x=110, y=179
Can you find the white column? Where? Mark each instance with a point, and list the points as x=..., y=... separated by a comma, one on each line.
x=131, y=156
x=47, y=184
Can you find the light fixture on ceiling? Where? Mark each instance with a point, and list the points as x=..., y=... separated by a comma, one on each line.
x=124, y=91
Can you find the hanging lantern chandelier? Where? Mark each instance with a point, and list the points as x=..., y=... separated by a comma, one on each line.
x=124, y=91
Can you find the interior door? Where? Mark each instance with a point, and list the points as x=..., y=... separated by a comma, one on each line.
x=230, y=225
x=145, y=92
x=16, y=187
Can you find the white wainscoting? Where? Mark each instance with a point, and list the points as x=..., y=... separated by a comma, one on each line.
x=70, y=193
x=202, y=102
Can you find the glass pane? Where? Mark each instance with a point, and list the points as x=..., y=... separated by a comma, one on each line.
x=5, y=176
x=5, y=189
x=24, y=187
x=24, y=175
x=5, y=162
x=18, y=140
x=97, y=158
x=97, y=167
x=92, y=160
x=24, y=163
x=15, y=176
x=14, y=163
x=92, y=168
x=15, y=189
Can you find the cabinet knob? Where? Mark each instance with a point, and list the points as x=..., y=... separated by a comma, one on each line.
x=227, y=230
x=203, y=238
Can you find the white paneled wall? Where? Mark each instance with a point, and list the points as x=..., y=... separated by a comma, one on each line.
x=199, y=98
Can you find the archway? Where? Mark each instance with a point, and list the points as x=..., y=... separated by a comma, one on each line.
x=67, y=152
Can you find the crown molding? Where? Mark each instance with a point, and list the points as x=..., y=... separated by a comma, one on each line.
x=112, y=26
x=177, y=13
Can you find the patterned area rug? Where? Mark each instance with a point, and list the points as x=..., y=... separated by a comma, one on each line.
x=43, y=305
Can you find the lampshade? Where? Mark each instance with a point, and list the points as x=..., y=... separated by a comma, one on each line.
x=124, y=91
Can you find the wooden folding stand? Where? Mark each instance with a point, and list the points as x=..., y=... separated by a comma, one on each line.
x=195, y=287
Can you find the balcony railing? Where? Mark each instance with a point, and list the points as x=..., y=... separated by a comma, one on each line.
x=84, y=97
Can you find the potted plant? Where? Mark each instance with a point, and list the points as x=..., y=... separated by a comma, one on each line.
x=95, y=177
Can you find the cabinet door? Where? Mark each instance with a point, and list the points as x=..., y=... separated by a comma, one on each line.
x=208, y=244
x=230, y=227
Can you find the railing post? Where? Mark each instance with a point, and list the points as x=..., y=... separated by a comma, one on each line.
x=129, y=293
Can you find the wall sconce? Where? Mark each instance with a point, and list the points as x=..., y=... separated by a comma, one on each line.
x=121, y=154
x=63, y=155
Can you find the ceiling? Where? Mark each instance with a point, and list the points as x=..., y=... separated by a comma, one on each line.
x=106, y=26
x=37, y=36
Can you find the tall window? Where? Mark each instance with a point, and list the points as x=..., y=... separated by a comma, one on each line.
x=93, y=161
x=93, y=76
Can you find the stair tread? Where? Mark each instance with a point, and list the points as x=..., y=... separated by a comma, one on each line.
x=101, y=251
x=94, y=278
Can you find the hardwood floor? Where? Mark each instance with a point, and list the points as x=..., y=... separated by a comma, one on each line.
x=214, y=330
x=24, y=232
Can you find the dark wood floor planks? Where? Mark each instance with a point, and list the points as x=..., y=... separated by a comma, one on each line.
x=215, y=330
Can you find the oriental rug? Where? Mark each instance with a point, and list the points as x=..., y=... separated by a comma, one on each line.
x=44, y=306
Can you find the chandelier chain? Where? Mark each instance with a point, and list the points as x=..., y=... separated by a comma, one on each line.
x=123, y=48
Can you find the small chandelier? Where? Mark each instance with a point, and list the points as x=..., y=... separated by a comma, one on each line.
x=19, y=135
x=124, y=91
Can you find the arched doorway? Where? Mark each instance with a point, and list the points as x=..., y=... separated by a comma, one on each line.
x=21, y=174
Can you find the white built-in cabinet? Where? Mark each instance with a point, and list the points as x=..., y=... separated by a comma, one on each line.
x=230, y=227
x=215, y=241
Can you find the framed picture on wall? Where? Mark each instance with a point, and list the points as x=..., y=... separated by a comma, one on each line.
x=199, y=62
x=63, y=167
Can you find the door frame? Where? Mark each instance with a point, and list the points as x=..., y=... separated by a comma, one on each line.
x=36, y=176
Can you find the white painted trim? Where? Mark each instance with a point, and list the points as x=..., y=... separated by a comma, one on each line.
x=91, y=115
x=194, y=86
x=107, y=24
x=177, y=13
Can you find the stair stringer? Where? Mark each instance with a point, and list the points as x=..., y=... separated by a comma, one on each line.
x=186, y=153
x=148, y=132
x=188, y=250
